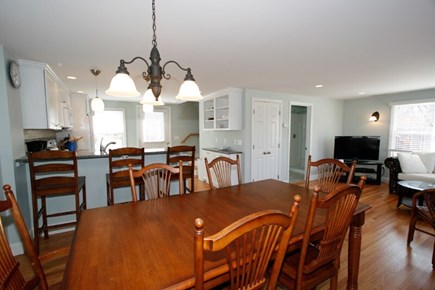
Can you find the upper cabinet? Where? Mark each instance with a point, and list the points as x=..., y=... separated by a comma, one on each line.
x=222, y=110
x=43, y=96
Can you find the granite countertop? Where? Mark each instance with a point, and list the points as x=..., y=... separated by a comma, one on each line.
x=93, y=155
x=223, y=150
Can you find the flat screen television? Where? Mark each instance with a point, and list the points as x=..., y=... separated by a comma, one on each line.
x=361, y=148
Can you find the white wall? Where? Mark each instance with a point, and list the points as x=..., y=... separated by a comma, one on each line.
x=327, y=123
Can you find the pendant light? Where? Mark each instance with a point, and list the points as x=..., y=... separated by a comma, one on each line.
x=97, y=104
x=122, y=84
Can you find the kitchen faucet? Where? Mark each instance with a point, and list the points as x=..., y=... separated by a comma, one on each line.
x=104, y=148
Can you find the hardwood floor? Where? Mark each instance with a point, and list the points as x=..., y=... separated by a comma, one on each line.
x=386, y=260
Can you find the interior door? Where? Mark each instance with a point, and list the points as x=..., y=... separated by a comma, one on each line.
x=265, y=140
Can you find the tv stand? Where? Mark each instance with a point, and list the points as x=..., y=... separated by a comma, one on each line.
x=372, y=169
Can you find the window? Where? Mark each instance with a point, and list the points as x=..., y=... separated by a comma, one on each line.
x=154, y=128
x=109, y=126
x=412, y=127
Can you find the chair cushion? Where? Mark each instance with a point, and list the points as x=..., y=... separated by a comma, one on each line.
x=411, y=163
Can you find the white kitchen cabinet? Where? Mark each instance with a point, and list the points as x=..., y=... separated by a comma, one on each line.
x=212, y=154
x=222, y=110
x=42, y=94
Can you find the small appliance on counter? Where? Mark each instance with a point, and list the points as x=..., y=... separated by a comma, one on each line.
x=36, y=145
x=52, y=145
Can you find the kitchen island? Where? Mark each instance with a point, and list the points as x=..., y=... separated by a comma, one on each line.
x=94, y=167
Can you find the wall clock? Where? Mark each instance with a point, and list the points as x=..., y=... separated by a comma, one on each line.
x=14, y=73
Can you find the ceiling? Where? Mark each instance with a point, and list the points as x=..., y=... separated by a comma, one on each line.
x=288, y=46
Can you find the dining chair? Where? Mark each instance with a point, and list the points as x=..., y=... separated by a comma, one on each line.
x=329, y=171
x=156, y=179
x=187, y=155
x=118, y=175
x=424, y=212
x=249, y=245
x=319, y=260
x=54, y=174
x=220, y=169
x=10, y=275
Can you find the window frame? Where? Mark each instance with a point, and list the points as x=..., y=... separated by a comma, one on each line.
x=392, y=129
x=154, y=145
x=97, y=141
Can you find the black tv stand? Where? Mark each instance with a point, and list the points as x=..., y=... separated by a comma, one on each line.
x=371, y=169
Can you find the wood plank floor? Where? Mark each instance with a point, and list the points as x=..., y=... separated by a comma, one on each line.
x=386, y=260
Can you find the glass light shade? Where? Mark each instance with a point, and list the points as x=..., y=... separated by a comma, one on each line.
x=97, y=104
x=189, y=91
x=147, y=108
x=149, y=99
x=122, y=86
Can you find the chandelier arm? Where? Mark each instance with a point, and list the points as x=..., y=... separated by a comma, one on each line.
x=168, y=76
x=134, y=59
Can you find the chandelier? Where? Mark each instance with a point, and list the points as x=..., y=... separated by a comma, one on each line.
x=122, y=84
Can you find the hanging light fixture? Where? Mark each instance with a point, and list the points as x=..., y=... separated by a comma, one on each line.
x=97, y=104
x=123, y=86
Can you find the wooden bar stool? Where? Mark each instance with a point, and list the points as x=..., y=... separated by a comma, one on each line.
x=119, y=176
x=185, y=154
x=53, y=174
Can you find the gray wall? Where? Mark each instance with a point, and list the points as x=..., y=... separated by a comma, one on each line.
x=357, y=112
x=11, y=145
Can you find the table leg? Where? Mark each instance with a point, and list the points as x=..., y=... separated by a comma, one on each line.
x=354, y=250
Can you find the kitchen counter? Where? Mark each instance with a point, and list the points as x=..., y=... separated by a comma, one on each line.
x=223, y=150
x=93, y=155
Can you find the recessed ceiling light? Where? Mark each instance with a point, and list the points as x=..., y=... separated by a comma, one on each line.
x=71, y=77
x=80, y=92
x=361, y=93
x=318, y=86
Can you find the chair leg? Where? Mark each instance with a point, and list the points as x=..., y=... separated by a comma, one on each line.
x=108, y=189
x=411, y=229
x=35, y=224
x=44, y=216
x=433, y=255
x=333, y=284
x=85, y=203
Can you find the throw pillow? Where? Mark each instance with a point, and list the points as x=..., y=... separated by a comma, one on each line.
x=411, y=163
x=428, y=159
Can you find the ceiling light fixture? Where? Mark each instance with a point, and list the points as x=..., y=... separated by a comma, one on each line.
x=123, y=86
x=318, y=86
x=97, y=104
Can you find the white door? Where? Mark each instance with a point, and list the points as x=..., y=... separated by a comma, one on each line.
x=265, y=140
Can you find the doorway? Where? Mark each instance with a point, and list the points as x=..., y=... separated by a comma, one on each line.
x=300, y=136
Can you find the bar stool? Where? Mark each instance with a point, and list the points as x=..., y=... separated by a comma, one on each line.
x=119, y=176
x=54, y=174
x=185, y=154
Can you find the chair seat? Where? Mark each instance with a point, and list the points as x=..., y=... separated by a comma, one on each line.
x=290, y=267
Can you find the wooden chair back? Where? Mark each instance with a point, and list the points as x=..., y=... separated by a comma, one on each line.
x=319, y=260
x=220, y=169
x=185, y=154
x=330, y=171
x=250, y=244
x=10, y=274
x=156, y=179
x=54, y=173
x=423, y=212
x=119, y=160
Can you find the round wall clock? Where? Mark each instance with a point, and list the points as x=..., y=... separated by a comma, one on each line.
x=14, y=73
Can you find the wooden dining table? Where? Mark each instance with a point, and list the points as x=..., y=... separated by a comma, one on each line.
x=149, y=244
